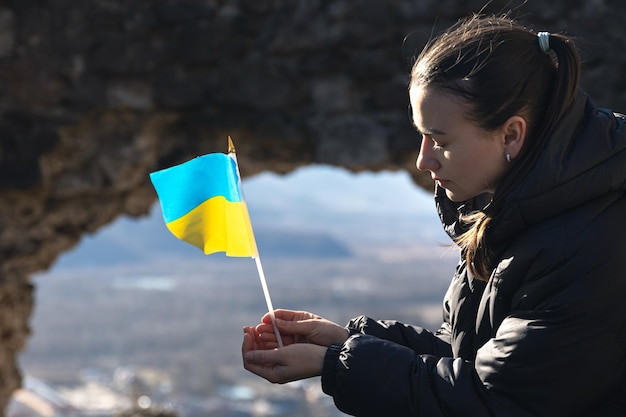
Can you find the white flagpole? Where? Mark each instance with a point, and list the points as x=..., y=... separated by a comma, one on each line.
x=268, y=300
x=266, y=293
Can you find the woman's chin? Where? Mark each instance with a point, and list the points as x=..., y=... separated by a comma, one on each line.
x=454, y=196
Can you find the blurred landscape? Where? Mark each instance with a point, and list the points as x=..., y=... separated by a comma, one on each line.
x=133, y=300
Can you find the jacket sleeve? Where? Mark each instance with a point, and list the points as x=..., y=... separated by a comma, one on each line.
x=521, y=371
x=367, y=376
x=418, y=339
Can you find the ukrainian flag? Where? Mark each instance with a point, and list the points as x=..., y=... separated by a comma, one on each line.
x=202, y=204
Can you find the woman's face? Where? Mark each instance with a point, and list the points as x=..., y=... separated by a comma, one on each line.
x=462, y=158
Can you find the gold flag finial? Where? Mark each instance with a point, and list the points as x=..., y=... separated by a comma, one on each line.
x=231, y=146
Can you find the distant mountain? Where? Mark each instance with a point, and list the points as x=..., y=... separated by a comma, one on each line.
x=300, y=244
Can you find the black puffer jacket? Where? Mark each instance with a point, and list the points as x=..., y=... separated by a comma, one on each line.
x=546, y=336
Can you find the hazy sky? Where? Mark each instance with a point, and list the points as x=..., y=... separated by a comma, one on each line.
x=385, y=206
x=339, y=190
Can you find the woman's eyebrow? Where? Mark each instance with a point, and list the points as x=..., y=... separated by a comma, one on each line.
x=429, y=131
x=433, y=132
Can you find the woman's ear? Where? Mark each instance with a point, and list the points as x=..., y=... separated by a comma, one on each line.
x=514, y=130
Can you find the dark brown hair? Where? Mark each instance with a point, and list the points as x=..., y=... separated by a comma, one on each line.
x=497, y=68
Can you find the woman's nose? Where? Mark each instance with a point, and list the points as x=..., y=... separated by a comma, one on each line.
x=426, y=160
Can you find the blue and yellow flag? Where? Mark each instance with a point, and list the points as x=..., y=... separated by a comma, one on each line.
x=202, y=204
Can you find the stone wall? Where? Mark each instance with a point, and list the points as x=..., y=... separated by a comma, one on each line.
x=96, y=94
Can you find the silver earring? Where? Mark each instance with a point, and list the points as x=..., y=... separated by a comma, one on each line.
x=508, y=157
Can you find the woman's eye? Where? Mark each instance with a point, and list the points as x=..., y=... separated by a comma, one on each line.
x=436, y=144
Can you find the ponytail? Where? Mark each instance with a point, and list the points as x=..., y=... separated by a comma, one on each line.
x=501, y=69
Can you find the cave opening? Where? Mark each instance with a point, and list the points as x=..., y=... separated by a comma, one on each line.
x=131, y=299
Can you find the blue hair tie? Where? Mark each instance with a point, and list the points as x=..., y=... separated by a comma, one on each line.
x=544, y=41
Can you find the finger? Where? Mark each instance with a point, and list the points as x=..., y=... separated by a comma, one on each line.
x=268, y=341
x=265, y=331
x=266, y=338
x=246, y=345
x=286, y=327
x=304, y=327
x=249, y=340
x=263, y=357
x=289, y=315
x=257, y=369
x=264, y=328
x=283, y=314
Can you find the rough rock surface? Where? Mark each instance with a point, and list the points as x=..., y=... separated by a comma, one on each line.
x=96, y=94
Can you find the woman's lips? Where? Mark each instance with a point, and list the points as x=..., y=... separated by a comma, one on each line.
x=441, y=182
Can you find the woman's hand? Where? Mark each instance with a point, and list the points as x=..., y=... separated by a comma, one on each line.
x=286, y=364
x=299, y=327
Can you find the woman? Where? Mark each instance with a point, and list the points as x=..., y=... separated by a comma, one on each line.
x=530, y=183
